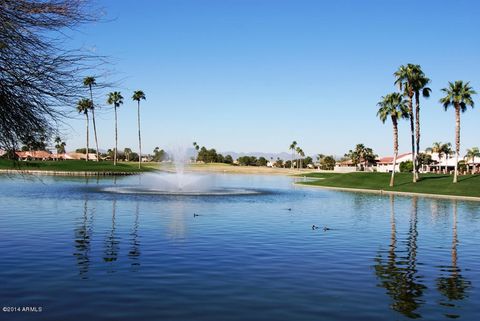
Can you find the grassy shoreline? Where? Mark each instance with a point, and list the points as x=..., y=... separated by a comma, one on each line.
x=75, y=166
x=429, y=184
x=106, y=167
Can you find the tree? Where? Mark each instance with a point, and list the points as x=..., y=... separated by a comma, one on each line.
x=83, y=106
x=159, y=155
x=228, y=159
x=459, y=95
x=394, y=107
x=34, y=141
x=299, y=151
x=261, y=161
x=406, y=167
x=424, y=159
x=293, y=145
x=405, y=77
x=419, y=83
x=361, y=154
x=60, y=145
x=195, y=145
x=38, y=75
x=90, y=82
x=137, y=96
x=471, y=154
x=302, y=156
x=116, y=99
x=327, y=163
x=440, y=149
x=127, y=152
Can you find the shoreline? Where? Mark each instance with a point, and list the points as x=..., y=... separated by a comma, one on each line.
x=383, y=192
x=64, y=173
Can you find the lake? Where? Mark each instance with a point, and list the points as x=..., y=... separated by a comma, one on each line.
x=78, y=249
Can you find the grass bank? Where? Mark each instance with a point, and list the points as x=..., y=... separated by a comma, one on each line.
x=77, y=166
x=435, y=184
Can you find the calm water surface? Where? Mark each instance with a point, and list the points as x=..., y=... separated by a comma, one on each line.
x=82, y=253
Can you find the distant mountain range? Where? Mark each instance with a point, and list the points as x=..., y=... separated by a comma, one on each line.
x=268, y=156
x=284, y=156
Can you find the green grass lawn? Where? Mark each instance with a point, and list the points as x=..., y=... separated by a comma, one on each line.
x=77, y=166
x=468, y=185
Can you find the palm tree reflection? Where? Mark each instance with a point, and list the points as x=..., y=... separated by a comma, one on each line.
x=82, y=237
x=111, y=242
x=134, y=253
x=453, y=286
x=398, y=274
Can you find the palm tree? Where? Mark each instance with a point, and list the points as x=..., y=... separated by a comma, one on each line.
x=447, y=151
x=127, y=152
x=90, y=82
x=60, y=145
x=458, y=95
x=298, y=150
x=471, y=154
x=419, y=83
x=137, y=96
x=293, y=145
x=196, y=146
x=116, y=99
x=301, y=154
x=405, y=77
x=393, y=106
x=83, y=106
x=437, y=147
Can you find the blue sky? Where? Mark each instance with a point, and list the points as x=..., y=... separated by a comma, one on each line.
x=253, y=75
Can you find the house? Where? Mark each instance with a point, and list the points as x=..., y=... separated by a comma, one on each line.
x=79, y=156
x=34, y=155
x=348, y=166
x=385, y=164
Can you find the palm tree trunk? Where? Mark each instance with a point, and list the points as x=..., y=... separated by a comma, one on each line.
x=417, y=131
x=139, y=137
x=457, y=140
x=86, y=151
x=412, y=130
x=116, y=138
x=94, y=125
x=395, y=150
x=291, y=164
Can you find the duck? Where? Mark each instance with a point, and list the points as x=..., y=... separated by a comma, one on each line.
x=314, y=227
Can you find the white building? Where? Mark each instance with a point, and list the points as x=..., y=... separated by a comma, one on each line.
x=385, y=164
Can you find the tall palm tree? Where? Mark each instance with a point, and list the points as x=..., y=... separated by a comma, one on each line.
x=393, y=106
x=419, y=83
x=196, y=146
x=83, y=106
x=137, y=96
x=458, y=95
x=302, y=155
x=404, y=78
x=90, y=82
x=116, y=99
x=471, y=154
x=293, y=145
x=298, y=150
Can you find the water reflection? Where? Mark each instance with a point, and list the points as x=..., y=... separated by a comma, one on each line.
x=82, y=238
x=397, y=273
x=134, y=252
x=111, y=241
x=451, y=284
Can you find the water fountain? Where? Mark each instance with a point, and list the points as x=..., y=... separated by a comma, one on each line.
x=178, y=182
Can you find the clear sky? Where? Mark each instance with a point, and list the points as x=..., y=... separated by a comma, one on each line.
x=253, y=75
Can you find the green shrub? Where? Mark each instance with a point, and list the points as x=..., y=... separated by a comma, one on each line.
x=406, y=167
